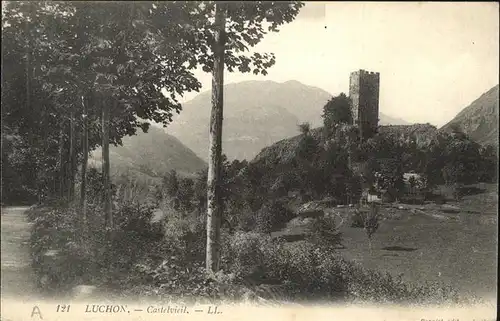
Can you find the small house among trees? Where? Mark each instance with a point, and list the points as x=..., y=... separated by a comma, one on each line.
x=373, y=197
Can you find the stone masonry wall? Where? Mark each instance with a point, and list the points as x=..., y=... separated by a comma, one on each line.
x=364, y=89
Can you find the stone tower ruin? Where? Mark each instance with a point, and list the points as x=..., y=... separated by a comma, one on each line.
x=364, y=93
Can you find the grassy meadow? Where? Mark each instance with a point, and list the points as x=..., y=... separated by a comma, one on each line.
x=454, y=243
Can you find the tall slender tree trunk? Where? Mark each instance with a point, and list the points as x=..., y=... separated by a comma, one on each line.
x=85, y=147
x=28, y=72
x=62, y=170
x=71, y=157
x=214, y=180
x=105, y=166
x=349, y=166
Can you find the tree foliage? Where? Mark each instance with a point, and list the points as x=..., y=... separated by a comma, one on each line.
x=61, y=55
x=337, y=111
x=246, y=25
x=453, y=159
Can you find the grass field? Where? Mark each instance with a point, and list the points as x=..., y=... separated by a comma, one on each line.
x=455, y=243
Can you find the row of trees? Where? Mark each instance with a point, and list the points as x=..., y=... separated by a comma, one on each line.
x=81, y=75
x=77, y=75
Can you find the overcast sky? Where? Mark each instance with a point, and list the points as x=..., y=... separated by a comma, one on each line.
x=433, y=58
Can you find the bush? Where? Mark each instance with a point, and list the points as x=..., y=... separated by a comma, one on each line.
x=324, y=233
x=358, y=218
x=82, y=258
x=300, y=270
x=185, y=235
x=57, y=260
x=312, y=273
x=247, y=220
x=271, y=216
x=173, y=279
x=238, y=214
x=318, y=272
x=373, y=286
x=134, y=235
x=245, y=251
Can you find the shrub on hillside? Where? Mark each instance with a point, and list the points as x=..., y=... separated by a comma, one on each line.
x=245, y=254
x=336, y=111
x=246, y=220
x=184, y=234
x=324, y=233
x=301, y=273
x=302, y=270
x=272, y=215
x=134, y=234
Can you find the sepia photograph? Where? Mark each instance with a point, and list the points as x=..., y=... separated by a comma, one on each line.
x=242, y=160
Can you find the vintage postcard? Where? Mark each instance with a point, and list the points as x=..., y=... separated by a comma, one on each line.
x=249, y=160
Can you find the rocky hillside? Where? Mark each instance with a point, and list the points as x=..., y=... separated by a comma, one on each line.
x=283, y=151
x=256, y=114
x=480, y=119
x=150, y=154
x=422, y=133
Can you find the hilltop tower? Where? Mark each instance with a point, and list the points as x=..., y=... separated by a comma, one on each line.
x=364, y=93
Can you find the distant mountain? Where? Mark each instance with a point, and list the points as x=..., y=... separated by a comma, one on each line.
x=256, y=114
x=480, y=119
x=150, y=154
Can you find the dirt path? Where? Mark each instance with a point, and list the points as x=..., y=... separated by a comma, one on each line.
x=17, y=276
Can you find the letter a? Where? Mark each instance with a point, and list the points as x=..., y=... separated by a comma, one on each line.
x=36, y=311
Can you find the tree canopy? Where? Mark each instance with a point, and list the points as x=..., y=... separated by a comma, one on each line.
x=337, y=111
x=137, y=58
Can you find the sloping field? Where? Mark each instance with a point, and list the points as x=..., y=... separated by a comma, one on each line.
x=454, y=243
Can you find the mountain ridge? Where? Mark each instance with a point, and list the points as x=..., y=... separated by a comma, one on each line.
x=152, y=154
x=479, y=119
